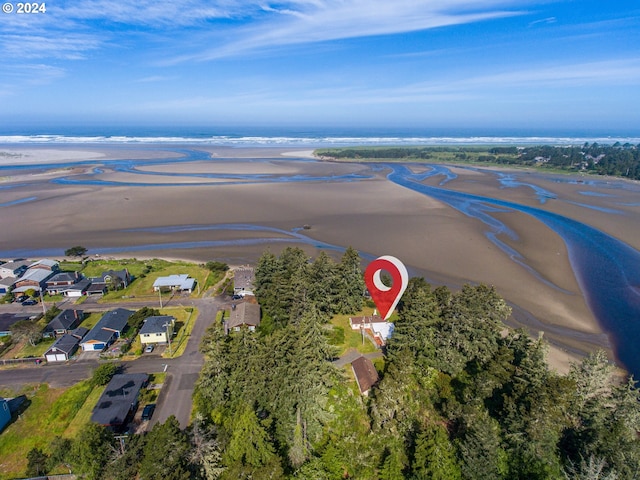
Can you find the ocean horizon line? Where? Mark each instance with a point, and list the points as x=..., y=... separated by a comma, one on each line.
x=313, y=141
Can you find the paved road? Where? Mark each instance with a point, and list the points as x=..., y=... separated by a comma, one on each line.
x=182, y=372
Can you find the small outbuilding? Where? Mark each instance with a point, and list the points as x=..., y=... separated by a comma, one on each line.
x=62, y=349
x=365, y=373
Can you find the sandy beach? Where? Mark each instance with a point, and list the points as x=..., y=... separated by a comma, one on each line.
x=231, y=207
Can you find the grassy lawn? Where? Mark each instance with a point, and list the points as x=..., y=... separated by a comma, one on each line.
x=38, y=351
x=84, y=414
x=90, y=321
x=145, y=273
x=51, y=412
x=184, y=322
x=352, y=338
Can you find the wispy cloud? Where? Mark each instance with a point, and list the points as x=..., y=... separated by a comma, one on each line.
x=545, y=21
x=302, y=22
x=67, y=46
x=32, y=74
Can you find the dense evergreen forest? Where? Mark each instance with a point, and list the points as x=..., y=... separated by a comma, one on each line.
x=621, y=160
x=460, y=397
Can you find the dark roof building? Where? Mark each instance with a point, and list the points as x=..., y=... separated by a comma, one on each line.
x=119, y=400
x=63, y=348
x=108, y=329
x=63, y=322
x=365, y=373
x=8, y=319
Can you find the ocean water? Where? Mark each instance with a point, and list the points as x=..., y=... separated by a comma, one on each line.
x=302, y=137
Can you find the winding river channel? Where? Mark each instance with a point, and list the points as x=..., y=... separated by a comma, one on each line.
x=607, y=270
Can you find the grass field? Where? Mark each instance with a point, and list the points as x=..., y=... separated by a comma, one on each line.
x=50, y=412
x=352, y=338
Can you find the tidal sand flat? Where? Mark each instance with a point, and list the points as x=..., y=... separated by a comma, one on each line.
x=233, y=203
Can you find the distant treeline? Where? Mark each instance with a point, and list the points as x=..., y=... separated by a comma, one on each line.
x=621, y=160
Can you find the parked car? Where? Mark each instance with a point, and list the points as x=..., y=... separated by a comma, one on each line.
x=30, y=302
x=147, y=411
x=148, y=349
x=237, y=297
x=21, y=298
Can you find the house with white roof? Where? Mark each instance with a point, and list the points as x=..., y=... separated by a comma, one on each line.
x=180, y=283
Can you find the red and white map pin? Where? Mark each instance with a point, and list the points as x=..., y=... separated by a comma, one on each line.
x=386, y=298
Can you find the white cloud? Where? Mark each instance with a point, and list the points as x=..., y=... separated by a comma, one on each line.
x=300, y=22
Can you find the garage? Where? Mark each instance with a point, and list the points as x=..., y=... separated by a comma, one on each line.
x=56, y=357
x=63, y=349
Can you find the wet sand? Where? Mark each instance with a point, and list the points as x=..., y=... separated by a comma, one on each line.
x=373, y=215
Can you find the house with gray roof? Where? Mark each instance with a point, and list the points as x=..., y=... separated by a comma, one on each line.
x=46, y=264
x=62, y=349
x=33, y=279
x=63, y=323
x=119, y=401
x=243, y=279
x=13, y=269
x=107, y=330
x=114, y=279
x=61, y=281
x=6, y=284
x=157, y=329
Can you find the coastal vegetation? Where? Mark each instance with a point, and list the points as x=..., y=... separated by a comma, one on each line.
x=621, y=160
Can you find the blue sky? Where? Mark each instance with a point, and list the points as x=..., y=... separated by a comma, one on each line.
x=476, y=64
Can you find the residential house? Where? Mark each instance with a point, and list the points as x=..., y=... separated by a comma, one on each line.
x=7, y=320
x=375, y=326
x=33, y=279
x=63, y=323
x=62, y=349
x=13, y=269
x=107, y=330
x=157, y=329
x=59, y=282
x=46, y=264
x=180, y=283
x=78, y=289
x=6, y=284
x=243, y=279
x=5, y=414
x=114, y=279
x=119, y=400
x=243, y=315
x=365, y=373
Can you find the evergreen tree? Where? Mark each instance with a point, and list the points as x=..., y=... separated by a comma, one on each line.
x=165, y=452
x=434, y=457
x=91, y=450
x=350, y=283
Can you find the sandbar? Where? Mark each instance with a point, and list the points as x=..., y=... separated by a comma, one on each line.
x=194, y=211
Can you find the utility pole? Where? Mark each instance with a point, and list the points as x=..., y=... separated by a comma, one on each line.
x=44, y=309
x=160, y=295
x=168, y=336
